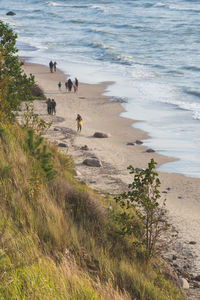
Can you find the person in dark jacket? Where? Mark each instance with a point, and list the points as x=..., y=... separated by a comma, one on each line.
x=51, y=66
x=54, y=66
x=66, y=85
x=53, y=107
x=48, y=102
x=69, y=84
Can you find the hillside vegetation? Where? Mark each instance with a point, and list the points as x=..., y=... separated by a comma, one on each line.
x=58, y=238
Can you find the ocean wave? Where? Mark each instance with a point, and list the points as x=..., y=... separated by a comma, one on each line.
x=183, y=8
x=101, y=46
x=80, y=21
x=110, y=55
x=124, y=59
x=193, y=107
x=192, y=92
x=102, y=8
x=175, y=72
x=53, y=3
x=196, y=115
x=192, y=68
x=160, y=4
x=25, y=47
x=177, y=7
x=99, y=30
x=147, y=5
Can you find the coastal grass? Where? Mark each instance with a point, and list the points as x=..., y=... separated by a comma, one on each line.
x=58, y=239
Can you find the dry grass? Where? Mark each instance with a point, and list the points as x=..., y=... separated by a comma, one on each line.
x=58, y=239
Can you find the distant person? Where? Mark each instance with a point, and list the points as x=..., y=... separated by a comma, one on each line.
x=48, y=102
x=79, y=122
x=59, y=85
x=51, y=66
x=54, y=66
x=53, y=107
x=75, y=88
x=76, y=83
x=66, y=85
x=69, y=84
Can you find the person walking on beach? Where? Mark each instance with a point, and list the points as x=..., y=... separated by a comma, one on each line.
x=54, y=66
x=69, y=84
x=75, y=87
x=51, y=66
x=66, y=85
x=76, y=83
x=79, y=122
x=48, y=102
x=59, y=85
x=53, y=107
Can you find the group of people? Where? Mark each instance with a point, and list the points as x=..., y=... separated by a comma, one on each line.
x=69, y=84
x=51, y=106
x=52, y=66
x=51, y=110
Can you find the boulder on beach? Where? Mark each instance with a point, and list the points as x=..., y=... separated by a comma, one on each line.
x=77, y=173
x=84, y=148
x=197, y=278
x=130, y=144
x=138, y=142
x=92, y=162
x=64, y=145
x=101, y=135
x=11, y=13
x=184, y=284
x=192, y=243
x=150, y=150
x=56, y=129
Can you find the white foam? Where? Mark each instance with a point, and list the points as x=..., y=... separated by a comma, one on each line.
x=160, y=4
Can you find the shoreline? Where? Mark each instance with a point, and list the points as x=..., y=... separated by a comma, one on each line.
x=101, y=114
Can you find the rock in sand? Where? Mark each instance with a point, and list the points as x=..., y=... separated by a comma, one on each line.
x=184, y=284
x=150, y=150
x=130, y=144
x=92, y=162
x=138, y=142
x=101, y=135
x=85, y=148
x=64, y=145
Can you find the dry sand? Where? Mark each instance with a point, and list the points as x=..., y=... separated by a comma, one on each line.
x=100, y=114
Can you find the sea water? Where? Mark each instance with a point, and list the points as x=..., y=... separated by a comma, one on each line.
x=149, y=49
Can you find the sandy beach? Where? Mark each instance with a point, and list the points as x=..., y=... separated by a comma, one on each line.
x=101, y=115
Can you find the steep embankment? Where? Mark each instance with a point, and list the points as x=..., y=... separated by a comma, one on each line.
x=58, y=239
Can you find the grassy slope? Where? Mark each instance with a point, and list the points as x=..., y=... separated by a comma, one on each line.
x=57, y=239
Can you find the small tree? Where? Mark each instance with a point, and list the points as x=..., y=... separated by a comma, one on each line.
x=33, y=121
x=144, y=195
x=16, y=85
x=33, y=143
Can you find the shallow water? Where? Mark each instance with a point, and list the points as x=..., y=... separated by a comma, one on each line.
x=150, y=49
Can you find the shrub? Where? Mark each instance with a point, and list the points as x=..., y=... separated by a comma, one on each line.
x=37, y=92
x=144, y=196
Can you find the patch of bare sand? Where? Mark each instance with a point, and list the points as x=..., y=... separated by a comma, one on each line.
x=100, y=114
